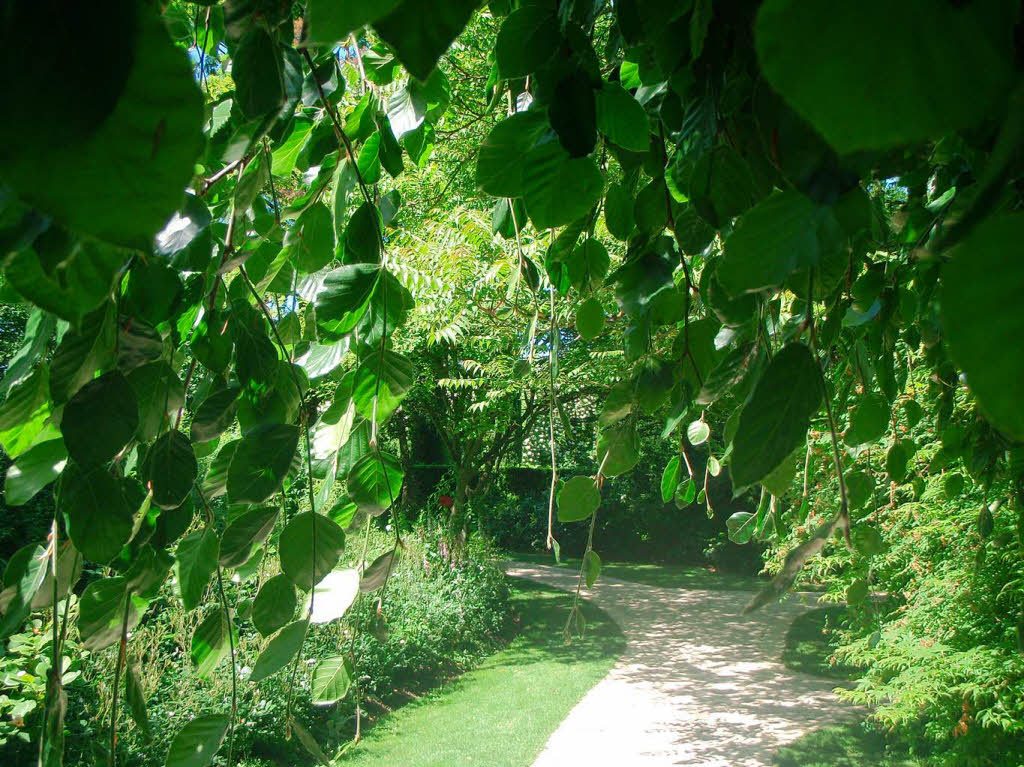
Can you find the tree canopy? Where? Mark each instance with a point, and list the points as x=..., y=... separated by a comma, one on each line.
x=243, y=231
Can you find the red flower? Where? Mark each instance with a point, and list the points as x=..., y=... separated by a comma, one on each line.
x=446, y=500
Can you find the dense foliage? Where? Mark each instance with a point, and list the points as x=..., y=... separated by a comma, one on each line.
x=245, y=237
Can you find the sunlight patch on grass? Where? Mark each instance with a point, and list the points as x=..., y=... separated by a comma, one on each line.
x=662, y=576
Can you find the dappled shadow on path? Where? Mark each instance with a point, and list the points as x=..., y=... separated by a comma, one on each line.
x=698, y=684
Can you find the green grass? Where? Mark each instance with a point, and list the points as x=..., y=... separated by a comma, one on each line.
x=850, y=745
x=665, y=576
x=502, y=713
x=808, y=648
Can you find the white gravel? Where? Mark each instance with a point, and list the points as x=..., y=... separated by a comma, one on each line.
x=699, y=683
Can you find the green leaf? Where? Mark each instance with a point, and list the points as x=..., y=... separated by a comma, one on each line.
x=74, y=287
x=578, y=499
x=331, y=22
x=952, y=485
x=698, y=432
x=197, y=742
x=913, y=411
x=390, y=151
x=170, y=469
x=136, y=698
x=573, y=114
x=247, y=530
x=274, y=605
x=23, y=577
x=869, y=421
x=25, y=413
x=867, y=540
x=101, y=612
x=258, y=71
x=782, y=233
x=558, y=189
x=139, y=344
x=406, y=110
x=100, y=419
x=279, y=651
x=283, y=159
x=362, y=238
x=419, y=45
x=215, y=414
x=669, y=479
x=33, y=470
x=685, y=492
x=729, y=372
x=210, y=344
x=618, y=212
x=375, y=482
x=38, y=331
x=591, y=567
x=857, y=592
x=376, y=573
x=618, y=449
x=699, y=23
x=775, y=420
x=981, y=318
x=588, y=265
x=692, y=233
x=368, y=162
x=312, y=239
x=528, y=37
x=885, y=74
x=196, y=557
x=310, y=547
x=385, y=377
x=344, y=298
x=154, y=291
x=210, y=642
x=741, y=526
x=590, y=318
x=654, y=385
x=113, y=143
x=97, y=516
x=720, y=185
x=81, y=353
x=69, y=569
x=896, y=460
x=216, y=481
x=622, y=119
x=332, y=596
x=331, y=680
x=618, y=404
x=261, y=461
x=149, y=570
x=499, y=164
x=860, y=487
x=159, y=394
x=780, y=479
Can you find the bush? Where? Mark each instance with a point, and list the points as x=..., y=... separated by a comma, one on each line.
x=936, y=618
x=439, y=617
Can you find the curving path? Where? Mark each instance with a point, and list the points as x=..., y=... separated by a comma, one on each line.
x=699, y=684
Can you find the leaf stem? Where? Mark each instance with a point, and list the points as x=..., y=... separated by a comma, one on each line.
x=234, y=667
x=122, y=652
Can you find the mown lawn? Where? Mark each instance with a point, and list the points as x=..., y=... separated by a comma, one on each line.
x=502, y=713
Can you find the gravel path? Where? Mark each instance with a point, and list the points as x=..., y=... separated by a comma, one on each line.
x=699, y=683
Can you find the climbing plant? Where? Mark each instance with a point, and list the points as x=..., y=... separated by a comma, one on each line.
x=791, y=204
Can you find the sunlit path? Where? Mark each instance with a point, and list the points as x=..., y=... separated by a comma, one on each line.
x=699, y=683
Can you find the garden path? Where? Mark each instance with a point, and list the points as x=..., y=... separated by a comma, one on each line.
x=699, y=684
